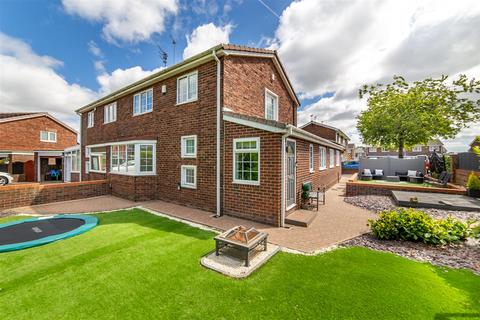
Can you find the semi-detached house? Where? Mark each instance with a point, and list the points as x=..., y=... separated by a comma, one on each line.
x=217, y=131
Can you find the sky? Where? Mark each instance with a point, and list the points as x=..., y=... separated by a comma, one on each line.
x=57, y=56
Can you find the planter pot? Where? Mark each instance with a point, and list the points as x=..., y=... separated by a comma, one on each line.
x=473, y=193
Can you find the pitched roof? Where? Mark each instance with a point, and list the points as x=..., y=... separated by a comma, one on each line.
x=18, y=116
x=325, y=126
x=201, y=58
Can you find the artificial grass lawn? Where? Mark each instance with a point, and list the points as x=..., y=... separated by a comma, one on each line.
x=136, y=265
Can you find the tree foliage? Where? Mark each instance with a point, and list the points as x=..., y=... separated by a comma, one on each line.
x=402, y=115
x=476, y=149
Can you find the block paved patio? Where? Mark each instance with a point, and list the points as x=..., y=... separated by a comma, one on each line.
x=336, y=222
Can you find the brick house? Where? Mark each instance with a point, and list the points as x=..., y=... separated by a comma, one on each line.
x=216, y=132
x=32, y=145
x=328, y=132
x=418, y=150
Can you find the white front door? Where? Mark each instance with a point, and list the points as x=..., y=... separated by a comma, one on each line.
x=290, y=172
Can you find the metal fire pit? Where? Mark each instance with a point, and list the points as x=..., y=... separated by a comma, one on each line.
x=245, y=240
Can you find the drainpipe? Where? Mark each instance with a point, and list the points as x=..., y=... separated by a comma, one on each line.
x=218, y=133
x=284, y=145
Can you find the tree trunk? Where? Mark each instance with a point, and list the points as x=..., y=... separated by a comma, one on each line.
x=400, y=147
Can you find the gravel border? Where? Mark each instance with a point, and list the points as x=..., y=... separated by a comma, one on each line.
x=457, y=256
x=382, y=203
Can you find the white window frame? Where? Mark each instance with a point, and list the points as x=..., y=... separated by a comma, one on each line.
x=137, y=171
x=110, y=113
x=417, y=149
x=194, y=73
x=139, y=95
x=184, y=152
x=183, y=178
x=372, y=149
x=322, y=158
x=275, y=111
x=99, y=155
x=48, y=136
x=77, y=161
x=337, y=158
x=432, y=148
x=235, y=151
x=311, y=155
x=332, y=158
x=91, y=119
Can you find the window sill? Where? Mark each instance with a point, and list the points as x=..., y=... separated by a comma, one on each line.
x=312, y=171
x=188, y=186
x=48, y=141
x=184, y=156
x=110, y=122
x=133, y=174
x=322, y=168
x=248, y=183
x=185, y=102
x=97, y=171
x=142, y=113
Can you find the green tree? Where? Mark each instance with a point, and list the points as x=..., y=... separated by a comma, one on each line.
x=402, y=115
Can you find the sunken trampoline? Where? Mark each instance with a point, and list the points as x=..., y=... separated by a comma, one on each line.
x=28, y=233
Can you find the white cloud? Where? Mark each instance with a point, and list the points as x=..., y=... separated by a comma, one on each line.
x=94, y=49
x=122, y=77
x=124, y=20
x=29, y=82
x=337, y=46
x=206, y=36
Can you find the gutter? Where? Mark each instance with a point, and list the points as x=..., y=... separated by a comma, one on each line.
x=218, y=160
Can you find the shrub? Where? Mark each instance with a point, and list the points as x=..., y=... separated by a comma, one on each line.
x=305, y=191
x=417, y=226
x=473, y=182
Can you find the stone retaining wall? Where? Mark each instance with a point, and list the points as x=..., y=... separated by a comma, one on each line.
x=21, y=195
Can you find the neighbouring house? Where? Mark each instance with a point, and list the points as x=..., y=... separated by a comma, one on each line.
x=350, y=152
x=216, y=132
x=32, y=144
x=418, y=150
x=359, y=152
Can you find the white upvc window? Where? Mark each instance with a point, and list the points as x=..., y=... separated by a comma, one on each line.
x=322, y=158
x=75, y=161
x=189, y=146
x=48, y=136
x=189, y=176
x=338, y=158
x=90, y=119
x=98, y=159
x=135, y=159
x=417, y=149
x=143, y=102
x=246, y=161
x=310, y=158
x=372, y=149
x=187, y=88
x=110, y=113
x=332, y=158
x=271, y=105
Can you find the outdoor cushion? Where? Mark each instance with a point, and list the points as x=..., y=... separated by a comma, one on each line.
x=379, y=172
x=411, y=173
x=367, y=172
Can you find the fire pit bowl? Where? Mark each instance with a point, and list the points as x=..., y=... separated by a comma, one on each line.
x=243, y=239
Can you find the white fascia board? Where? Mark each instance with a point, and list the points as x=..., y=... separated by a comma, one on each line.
x=253, y=124
x=116, y=143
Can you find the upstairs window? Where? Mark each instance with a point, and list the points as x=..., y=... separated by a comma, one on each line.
x=110, y=113
x=189, y=146
x=143, y=102
x=187, y=88
x=271, y=105
x=48, y=136
x=322, y=158
x=310, y=158
x=246, y=164
x=90, y=118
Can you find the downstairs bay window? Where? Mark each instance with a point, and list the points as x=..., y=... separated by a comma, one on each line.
x=134, y=159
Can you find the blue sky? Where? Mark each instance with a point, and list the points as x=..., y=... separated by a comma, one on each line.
x=56, y=56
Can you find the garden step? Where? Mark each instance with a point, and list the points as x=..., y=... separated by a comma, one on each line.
x=301, y=218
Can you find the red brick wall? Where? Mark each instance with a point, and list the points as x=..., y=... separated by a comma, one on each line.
x=134, y=188
x=24, y=135
x=12, y=196
x=244, y=83
x=319, y=178
x=263, y=202
x=166, y=124
x=320, y=131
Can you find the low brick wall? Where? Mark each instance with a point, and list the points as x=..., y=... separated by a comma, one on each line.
x=357, y=188
x=21, y=195
x=461, y=176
